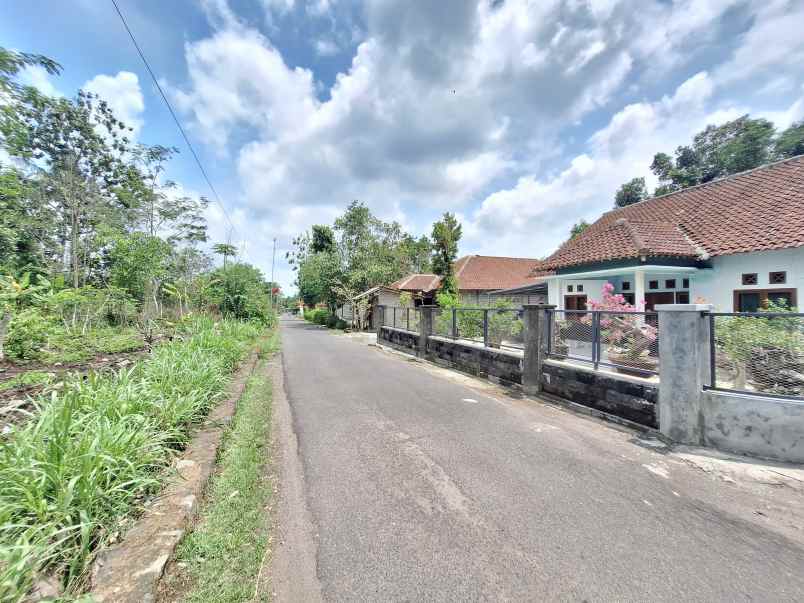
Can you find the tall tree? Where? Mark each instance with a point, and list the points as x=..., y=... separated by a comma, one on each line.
x=578, y=228
x=84, y=147
x=226, y=250
x=446, y=234
x=631, y=192
x=323, y=239
x=163, y=213
x=790, y=142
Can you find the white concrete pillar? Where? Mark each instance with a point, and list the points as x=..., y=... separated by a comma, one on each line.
x=639, y=288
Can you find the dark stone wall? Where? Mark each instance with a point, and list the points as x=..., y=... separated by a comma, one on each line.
x=402, y=340
x=484, y=362
x=624, y=398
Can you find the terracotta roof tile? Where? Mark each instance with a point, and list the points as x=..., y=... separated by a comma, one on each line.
x=484, y=272
x=417, y=282
x=757, y=210
x=477, y=272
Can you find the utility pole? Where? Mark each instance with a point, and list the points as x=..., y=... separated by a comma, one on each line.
x=273, y=261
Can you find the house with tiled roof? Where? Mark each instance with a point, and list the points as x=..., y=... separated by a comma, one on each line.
x=736, y=242
x=479, y=278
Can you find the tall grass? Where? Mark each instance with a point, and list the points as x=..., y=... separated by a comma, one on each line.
x=95, y=450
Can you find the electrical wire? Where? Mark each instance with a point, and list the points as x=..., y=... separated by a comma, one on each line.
x=173, y=115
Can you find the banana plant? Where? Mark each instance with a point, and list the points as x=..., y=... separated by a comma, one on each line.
x=13, y=294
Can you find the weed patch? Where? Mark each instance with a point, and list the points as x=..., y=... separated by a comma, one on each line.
x=95, y=450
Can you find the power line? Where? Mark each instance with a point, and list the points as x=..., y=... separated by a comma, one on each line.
x=173, y=114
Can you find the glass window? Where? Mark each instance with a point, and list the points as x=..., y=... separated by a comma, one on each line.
x=580, y=288
x=685, y=283
x=653, y=284
x=682, y=297
x=569, y=288
x=670, y=283
x=748, y=302
x=750, y=278
x=626, y=286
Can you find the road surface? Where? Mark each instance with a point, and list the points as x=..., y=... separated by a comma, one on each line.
x=421, y=488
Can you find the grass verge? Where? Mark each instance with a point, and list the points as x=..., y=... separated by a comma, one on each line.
x=95, y=450
x=223, y=555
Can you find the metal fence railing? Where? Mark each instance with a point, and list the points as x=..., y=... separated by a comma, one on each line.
x=757, y=352
x=626, y=341
x=405, y=318
x=490, y=327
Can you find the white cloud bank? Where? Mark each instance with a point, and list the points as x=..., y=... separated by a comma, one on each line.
x=447, y=102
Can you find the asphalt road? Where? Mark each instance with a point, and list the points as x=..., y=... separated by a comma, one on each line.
x=421, y=488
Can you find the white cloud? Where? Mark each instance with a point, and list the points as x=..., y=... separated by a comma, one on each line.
x=123, y=94
x=446, y=102
x=536, y=214
x=38, y=77
x=326, y=48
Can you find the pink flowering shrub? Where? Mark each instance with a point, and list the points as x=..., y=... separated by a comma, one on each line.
x=626, y=334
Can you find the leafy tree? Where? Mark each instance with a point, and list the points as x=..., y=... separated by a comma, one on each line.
x=323, y=239
x=226, y=250
x=716, y=151
x=12, y=62
x=578, y=228
x=790, y=142
x=176, y=218
x=631, y=192
x=445, y=237
x=241, y=290
x=139, y=264
x=84, y=148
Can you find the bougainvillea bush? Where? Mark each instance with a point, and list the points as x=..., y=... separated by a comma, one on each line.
x=628, y=335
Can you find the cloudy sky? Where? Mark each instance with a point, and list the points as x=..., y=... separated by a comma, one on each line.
x=521, y=117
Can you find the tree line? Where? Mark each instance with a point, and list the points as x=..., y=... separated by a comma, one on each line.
x=716, y=151
x=334, y=264
x=83, y=206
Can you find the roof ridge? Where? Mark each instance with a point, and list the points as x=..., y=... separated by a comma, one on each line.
x=713, y=181
x=638, y=242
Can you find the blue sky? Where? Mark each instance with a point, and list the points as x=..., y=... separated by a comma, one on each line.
x=521, y=117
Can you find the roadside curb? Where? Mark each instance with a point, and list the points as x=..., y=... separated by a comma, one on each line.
x=131, y=571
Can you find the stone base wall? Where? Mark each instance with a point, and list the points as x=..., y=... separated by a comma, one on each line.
x=400, y=339
x=625, y=397
x=756, y=425
x=497, y=365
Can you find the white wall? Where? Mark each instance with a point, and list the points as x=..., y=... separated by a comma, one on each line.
x=717, y=286
x=556, y=290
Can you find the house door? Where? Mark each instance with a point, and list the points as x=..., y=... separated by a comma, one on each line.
x=652, y=299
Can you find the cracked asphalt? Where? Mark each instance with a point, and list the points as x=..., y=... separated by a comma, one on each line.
x=420, y=487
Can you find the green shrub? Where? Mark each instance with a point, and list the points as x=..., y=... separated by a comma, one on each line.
x=95, y=449
x=320, y=316
x=332, y=321
x=341, y=324
x=28, y=333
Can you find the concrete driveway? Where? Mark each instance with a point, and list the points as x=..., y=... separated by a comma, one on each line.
x=422, y=488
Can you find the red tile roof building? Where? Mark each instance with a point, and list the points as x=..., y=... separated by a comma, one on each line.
x=757, y=210
x=476, y=273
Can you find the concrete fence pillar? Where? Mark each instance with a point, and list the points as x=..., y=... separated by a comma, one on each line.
x=379, y=321
x=683, y=369
x=535, y=318
x=425, y=329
